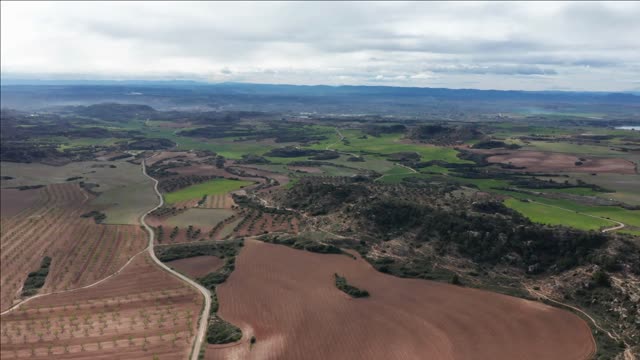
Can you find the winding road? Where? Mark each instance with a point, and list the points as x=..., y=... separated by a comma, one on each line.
x=203, y=322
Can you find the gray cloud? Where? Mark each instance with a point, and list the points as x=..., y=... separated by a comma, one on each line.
x=582, y=46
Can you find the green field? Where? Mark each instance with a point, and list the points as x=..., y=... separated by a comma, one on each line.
x=213, y=187
x=628, y=217
x=550, y=215
x=388, y=144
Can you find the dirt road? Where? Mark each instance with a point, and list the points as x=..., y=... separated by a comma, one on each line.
x=203, y=322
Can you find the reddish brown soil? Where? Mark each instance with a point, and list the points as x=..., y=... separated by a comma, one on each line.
x=141, y=313
x=197, y=266
x=82, y=251
x=287, y=299
x=219, y=201
x=546, y=161
x=14, y=201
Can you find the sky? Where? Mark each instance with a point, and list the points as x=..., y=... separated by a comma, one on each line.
x=530, y=46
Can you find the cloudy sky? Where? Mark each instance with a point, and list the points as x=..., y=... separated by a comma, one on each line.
x=534, y=46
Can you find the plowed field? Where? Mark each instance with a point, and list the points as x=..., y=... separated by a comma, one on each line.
x=51, y=225
x=141, y=313
x=287, y=299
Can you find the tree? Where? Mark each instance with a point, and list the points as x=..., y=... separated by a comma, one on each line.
x=601, y=278
x=455, y=280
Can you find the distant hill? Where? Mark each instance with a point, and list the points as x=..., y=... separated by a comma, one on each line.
x=31, y=94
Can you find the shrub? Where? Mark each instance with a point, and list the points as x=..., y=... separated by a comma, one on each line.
x=341, y=283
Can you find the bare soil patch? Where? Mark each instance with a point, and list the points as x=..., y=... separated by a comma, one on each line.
x=14, y=201
x=218, y=201
x=547, y=161
x=287, y=299
x=197, y=266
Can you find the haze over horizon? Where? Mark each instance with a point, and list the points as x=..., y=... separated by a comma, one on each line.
x=504, y=46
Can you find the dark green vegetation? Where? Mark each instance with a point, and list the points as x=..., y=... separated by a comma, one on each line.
x=222, y=332
x=219, y=331
x=36, y=279
x=486, y=232
x=344, y=286
x=222, y=250
x=301, y=243
x=97, y=216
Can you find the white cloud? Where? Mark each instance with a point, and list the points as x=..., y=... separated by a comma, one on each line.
x=582, y=46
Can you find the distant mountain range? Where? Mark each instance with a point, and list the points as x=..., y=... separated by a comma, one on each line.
x=323, y=90
x=22, y=93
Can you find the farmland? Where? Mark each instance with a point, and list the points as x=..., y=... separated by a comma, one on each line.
x=140, y=313
x=213, y=187
x=82, y=251
x=557, y=216
x=440, y=222
x=412, y=316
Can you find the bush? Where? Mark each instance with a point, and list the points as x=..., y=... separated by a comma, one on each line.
x=601, y=279
x=222, y=332
x=341, y=283
x=36, y=279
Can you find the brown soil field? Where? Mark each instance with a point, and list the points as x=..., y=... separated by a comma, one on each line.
x=14, y=201
x=547, y=161
x=82, y=251
x=287, y=299
x=219, y=201
x=141, y=313
x=197, y=266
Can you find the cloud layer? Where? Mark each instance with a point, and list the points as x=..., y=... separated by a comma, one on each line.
x=537, y=46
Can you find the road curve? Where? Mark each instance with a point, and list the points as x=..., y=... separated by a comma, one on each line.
x=203, y=322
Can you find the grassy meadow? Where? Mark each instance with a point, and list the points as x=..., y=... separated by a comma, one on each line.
x=212, y=187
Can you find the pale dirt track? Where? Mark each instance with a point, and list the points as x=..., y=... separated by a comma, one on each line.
x=203, y=320
x=288, y=300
